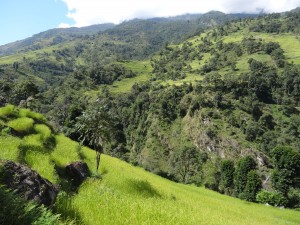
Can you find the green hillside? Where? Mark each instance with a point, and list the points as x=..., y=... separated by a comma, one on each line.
x=215, y=108
x=123, y=194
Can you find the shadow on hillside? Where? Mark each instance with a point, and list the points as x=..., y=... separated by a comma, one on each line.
x=23, y=149
x=48, y=146
x=80, y=154
x=64, y=207
x=66, y=184
x=143, y=188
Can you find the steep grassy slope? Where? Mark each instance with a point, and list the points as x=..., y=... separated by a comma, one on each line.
x=124, y=194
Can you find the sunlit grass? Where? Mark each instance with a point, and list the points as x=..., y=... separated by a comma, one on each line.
x=117, y=199
x=190, y=78
x=28, y=113
x=9, y=147
x=41, y=162
x=21, y=125
x=129, y=195
x=290, y=43
x=243, y=65
x=6, y=110
x=65, y=152
x=44, y=130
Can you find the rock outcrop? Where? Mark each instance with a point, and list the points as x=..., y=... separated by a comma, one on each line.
x=78, y=171
x=28, y=183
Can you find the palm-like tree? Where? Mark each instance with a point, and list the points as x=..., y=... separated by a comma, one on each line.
x=96, y=126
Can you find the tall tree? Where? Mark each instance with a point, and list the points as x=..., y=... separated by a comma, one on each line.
x=253, y=186
x=227, y=175
x=244, y=166
x=287, y=169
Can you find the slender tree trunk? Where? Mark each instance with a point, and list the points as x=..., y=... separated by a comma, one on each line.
x=98, y=155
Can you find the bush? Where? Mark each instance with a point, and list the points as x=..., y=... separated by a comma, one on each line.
x=294, y=198
x=227, y=174
x=287, y=168
x=271, y=198
x=15, y=210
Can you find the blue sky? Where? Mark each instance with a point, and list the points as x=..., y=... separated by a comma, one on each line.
x=23, y=18
x=20, y=19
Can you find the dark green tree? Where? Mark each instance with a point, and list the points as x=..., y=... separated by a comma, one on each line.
x=227, y=175
x=244, y=166
x=253, y=186
x=187, y=163
x=287, y=169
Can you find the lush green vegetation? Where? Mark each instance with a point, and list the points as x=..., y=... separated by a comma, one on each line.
x=218, y=110
x=123, y=193
x=16, y=210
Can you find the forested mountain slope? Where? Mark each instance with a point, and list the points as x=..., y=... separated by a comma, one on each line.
x=50, y=38
x=230, y=122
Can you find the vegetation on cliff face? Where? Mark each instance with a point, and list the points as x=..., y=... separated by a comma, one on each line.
x=219, y=109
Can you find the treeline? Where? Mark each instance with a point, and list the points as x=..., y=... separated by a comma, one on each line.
x=274, y=23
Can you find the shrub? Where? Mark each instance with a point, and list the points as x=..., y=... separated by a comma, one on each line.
x=294, y=198
x=271, y=198
x=15, y=210
x=287, y=168
x=227, y=174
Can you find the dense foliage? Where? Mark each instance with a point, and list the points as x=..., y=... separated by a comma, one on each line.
x=234, y=130
x=15, y=210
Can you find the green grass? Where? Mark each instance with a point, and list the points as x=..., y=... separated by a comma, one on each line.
x=42, y=163
x=289, y=43
x=44, y=130
x=138, y=66
x=6, y=110
x=66, y=151
x=243, y=65
x=129, y=195
x=9, y=147
x=190, y=78
x=141, y=68
x=23, y=124
x=28, y=113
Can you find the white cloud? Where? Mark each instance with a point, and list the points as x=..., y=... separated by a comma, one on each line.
x=64, y=25
x=87, y=12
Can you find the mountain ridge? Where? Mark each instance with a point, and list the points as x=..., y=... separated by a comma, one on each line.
x=67, y=34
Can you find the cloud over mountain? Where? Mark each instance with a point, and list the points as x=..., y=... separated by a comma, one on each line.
x=89, y=12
